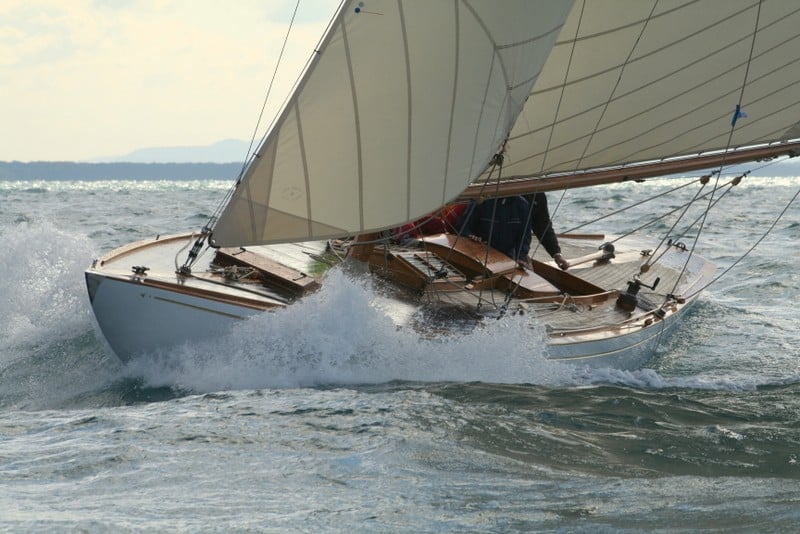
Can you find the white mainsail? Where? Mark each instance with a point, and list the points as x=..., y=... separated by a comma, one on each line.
x=632, y=81
x=405, y=103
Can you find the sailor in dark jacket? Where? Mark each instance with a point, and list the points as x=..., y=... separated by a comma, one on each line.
x=507, y=223
x=504, y=224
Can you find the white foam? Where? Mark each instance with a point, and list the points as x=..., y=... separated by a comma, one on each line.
x=44, y=296
x=338, y=336
x=341, y=336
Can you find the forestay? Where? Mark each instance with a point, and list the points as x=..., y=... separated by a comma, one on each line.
x=403, y=105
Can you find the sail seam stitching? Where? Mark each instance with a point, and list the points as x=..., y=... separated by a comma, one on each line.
x=409, y=96
x=616, y=85
x=357, y=124
x=301, y=141
x=649, y=54
x=453, y=99
x=658, y=80
x=563, y=88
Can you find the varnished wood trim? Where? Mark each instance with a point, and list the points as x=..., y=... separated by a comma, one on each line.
x=522, y=185
x=124, y=250
x=182, y=289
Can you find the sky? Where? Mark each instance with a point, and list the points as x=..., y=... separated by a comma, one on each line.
x=94, y=79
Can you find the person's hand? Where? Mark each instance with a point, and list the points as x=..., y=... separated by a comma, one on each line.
x=561, y=262
x=525, y=263
x=476, y=238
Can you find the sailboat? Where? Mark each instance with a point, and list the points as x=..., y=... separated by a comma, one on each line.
x=406, y=107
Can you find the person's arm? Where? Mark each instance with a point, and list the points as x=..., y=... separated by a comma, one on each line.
x=543, y=228
x=561, y=261
x=525, y=245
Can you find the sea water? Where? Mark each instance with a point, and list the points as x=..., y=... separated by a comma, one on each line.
x=325, y=417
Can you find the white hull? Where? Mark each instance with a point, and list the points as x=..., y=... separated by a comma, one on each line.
x=138, y=318
x=158, y=309
x=626, y=350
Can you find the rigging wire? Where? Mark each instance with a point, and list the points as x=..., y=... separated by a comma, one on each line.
x=494, y=164
x=665, y=193
x=497, y=162
x=552, y=130
x=646, y=265
x=631, y=206
x=704, y=217
x=682, y=234
x=616, y=86
x=737, y=114
x=185, y=269
x=269, y=88
x=743, y=256
x=250, y=154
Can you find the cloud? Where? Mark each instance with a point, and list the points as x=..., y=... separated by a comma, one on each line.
x=87, y=79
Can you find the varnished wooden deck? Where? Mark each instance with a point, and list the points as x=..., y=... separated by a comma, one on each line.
x=305, y=263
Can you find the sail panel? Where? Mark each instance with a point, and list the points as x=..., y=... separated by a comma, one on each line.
x=638, y=81
x=432, y=68
x=403, y=106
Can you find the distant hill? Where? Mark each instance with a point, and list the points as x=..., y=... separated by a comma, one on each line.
x=221, y=160
x=227, y=151
x=196, y=163
x=66, y=170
